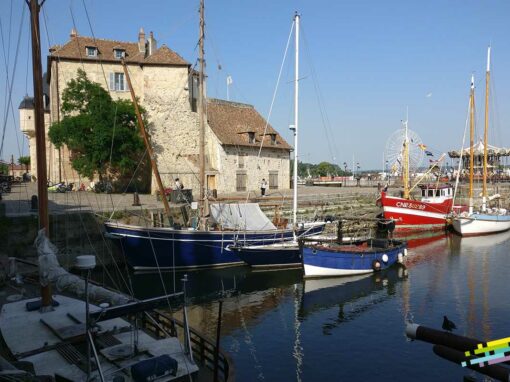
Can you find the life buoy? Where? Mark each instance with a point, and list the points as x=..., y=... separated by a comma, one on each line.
x=376, y=265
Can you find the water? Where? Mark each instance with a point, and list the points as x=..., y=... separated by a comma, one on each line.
x=277, y=327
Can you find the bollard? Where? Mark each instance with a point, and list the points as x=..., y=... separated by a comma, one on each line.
x=34, y=203
x=136, y=199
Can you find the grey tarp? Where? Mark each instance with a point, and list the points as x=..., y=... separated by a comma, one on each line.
x=240, y=216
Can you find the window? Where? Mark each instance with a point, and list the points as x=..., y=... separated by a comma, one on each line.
x=119, y=53
x=273, y=139
x=91, y=51
x=241, y=181
x=273, y=180
x=118, y=82
x=251, y=137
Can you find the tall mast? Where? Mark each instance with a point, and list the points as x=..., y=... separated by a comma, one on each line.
x=405, y=159
x=486, y=129
x=201, y=115
x=40, y=136
x=471, y=141
x=148, y=146
x=296, y=121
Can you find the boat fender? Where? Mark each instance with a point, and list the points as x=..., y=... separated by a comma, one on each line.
x=385, y=258
x=400, y=258
x=376, y=265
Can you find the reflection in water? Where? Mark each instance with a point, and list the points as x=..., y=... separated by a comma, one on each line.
x=278, y=327
x=352, y=295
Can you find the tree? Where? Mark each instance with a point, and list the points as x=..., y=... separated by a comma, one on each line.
x=4, y=168
x=25, y=161
x=91, y=119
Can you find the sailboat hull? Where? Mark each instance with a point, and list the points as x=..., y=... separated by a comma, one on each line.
x=281, y=255
x=166, y=248
x=481, y=224
x=412, y=215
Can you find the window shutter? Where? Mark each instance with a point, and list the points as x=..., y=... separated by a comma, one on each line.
x=112, y=81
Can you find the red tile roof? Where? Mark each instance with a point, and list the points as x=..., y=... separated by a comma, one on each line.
x=231, y=122
x=75, y=49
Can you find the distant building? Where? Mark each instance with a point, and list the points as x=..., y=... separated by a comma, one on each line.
x=167, y=88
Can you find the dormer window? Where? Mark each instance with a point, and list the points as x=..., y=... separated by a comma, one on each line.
x=91, y=51
x=273, y=139
x=251, y=137
x=119, y=53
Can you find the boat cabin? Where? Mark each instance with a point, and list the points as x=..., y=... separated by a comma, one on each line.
x=433, y=192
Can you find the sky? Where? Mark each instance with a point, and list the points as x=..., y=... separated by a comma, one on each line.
x=366, y=61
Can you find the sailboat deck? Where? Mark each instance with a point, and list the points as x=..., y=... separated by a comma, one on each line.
x=54, y=342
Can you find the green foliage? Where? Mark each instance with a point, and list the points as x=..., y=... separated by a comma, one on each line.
x=316, y=170
x=25, y=161
x=4, y=169
x=90, y=119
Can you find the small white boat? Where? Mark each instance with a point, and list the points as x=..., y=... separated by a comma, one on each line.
x=481, y=223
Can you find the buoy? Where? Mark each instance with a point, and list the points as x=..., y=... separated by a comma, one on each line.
x=376, y=265
x=385, y=258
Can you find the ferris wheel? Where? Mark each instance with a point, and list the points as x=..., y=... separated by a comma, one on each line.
x=395, y=149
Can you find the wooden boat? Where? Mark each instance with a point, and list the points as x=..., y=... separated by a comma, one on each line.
x=327, y=259
x=485, y=220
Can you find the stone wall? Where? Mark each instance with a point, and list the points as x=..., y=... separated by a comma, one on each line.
x=174, y=128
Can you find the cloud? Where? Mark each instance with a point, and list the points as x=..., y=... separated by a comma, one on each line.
x=429, y=95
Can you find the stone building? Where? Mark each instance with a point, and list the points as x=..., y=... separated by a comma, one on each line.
x=165, y=85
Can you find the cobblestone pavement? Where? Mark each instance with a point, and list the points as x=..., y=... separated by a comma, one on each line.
x=18, y=201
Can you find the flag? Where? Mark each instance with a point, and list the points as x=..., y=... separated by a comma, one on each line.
x=429, y=153
x=422, y=146
x=229, y=80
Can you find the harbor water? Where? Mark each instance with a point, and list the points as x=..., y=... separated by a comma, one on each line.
x=278, y=327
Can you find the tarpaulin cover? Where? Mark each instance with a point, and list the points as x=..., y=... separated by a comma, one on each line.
x=240, y=216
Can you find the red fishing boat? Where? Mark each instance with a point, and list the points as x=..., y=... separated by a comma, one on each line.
x=428, y=213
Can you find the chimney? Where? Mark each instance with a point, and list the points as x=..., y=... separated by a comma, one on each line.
x=73, y=33
x=141, y=41
x=152, y=44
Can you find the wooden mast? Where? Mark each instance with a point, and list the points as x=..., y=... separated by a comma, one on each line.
x=486, y=130
x=405, y=170
x=471, y=141
x=201, y=117
x=145, y=136
x=40, y=136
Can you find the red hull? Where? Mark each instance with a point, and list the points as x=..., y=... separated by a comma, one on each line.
x=414, y=214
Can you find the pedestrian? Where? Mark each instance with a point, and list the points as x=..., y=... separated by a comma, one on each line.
x=263, y=186
x=178, y=184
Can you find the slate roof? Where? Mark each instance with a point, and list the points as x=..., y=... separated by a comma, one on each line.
x=75, y=49
x=231, y=122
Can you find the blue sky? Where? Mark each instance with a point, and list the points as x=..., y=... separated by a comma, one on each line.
x=372, y=59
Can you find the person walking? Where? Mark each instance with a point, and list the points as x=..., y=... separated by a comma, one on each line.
x=263, y=186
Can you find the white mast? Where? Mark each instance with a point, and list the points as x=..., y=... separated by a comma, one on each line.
x=296, y=111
